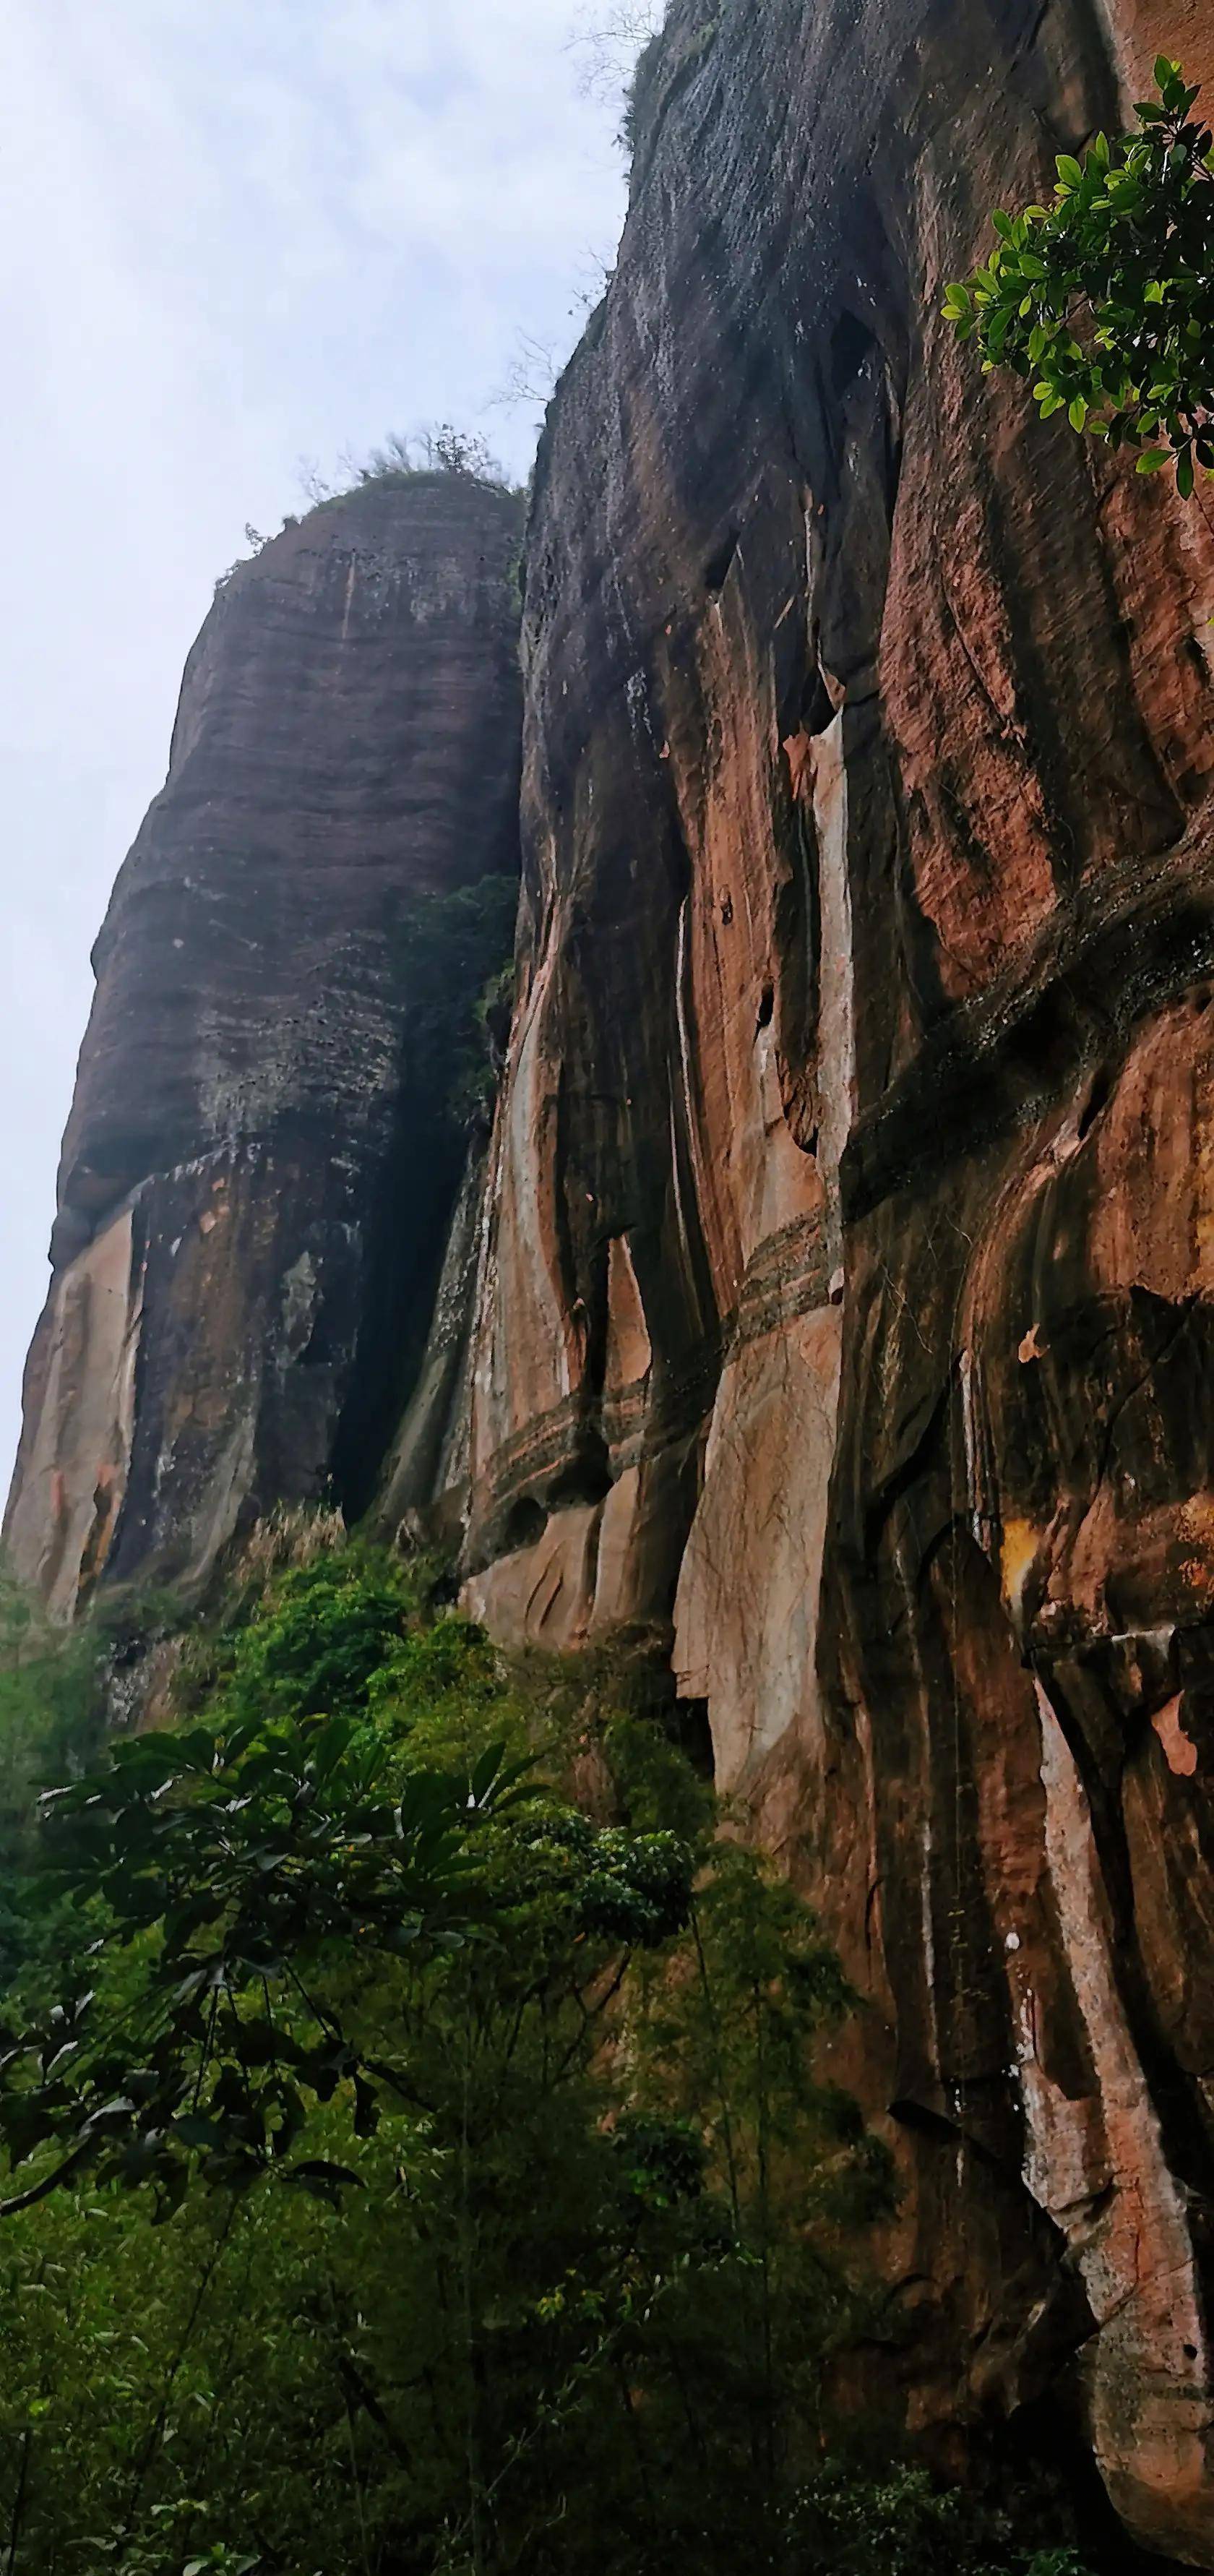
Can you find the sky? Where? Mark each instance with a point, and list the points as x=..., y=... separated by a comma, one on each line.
x=238, y=238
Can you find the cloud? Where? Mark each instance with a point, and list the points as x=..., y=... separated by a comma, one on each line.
x=232, y=237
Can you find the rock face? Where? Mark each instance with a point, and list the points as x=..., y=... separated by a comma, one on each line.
x=256, y=1179
x=846, y=1285
x=837, y=1311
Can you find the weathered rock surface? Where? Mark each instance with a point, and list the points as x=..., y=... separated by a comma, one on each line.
x=254, y=1187
x=846, y=1286
x=838, y=1309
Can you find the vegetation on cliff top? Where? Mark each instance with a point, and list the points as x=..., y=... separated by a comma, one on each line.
x=420, y=2172
x=636, y=50
x=1105, y=299
x=438, y=454
x=431, y=456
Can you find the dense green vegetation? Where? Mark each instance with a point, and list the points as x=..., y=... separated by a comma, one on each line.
x=416, y=2170
x=1105, y=299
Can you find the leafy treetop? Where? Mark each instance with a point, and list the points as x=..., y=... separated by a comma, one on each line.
x=1105, y=299
x=233, y=1866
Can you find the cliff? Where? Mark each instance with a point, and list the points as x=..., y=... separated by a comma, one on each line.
x=836, y=1312
x=845, y=1310
x=257, y=1173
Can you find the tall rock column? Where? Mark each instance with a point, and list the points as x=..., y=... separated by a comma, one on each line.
x=256, y=1178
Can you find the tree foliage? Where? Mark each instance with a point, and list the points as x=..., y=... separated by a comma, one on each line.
x=230, y=1871
x=224, y=1869
x=51, y=1713
x=506, y=2219
x=1104, y=300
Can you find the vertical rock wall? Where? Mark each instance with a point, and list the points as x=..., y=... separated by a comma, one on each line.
x=255, y=1187
x=837, y=1308
x=846, y=1287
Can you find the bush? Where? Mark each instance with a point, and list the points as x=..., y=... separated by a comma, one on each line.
x=899, y=2523
x=1106, y=298
x=445, y=450
x=321, y=1637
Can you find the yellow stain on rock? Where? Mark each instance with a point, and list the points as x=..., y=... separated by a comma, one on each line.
x=1020, y=1544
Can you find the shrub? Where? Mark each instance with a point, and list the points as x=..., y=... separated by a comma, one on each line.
x=324, y=1632
x=445, y=450
x=1105, y=299
x=900, y=2523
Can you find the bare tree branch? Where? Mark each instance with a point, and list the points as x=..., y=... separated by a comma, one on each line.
x=607, y=38
x=531, y=376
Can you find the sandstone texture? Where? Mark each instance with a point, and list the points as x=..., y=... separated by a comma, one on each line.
x=845, y=1304
x=256, y=1177
x=832, y=1310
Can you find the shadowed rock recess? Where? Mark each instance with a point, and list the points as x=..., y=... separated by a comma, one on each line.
x=257, y=1173
x=837, y=1313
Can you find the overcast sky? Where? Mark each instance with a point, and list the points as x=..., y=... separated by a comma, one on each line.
x=234, y=234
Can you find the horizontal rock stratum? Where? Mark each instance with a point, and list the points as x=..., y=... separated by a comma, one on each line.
x=254, y=1193
x=836, y=1313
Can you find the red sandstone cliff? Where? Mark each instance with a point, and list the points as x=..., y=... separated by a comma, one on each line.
x=842, y=1286
x=255, y=1186
x=846, y=1298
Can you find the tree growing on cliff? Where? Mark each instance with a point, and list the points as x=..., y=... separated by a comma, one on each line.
x=1104, y=300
